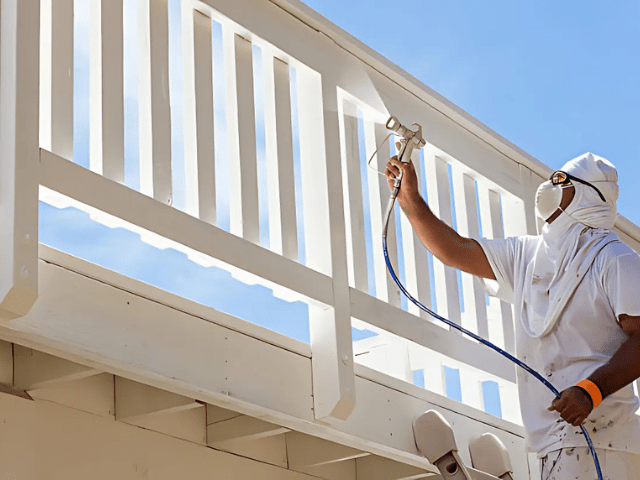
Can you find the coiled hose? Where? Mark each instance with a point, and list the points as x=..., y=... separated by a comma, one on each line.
x=521, y=364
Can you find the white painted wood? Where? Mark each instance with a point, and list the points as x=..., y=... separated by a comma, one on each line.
x=241, y=124
x=354, y=206
x=307, y=451
x=105, y=331
x=46, y=440
x=106, y=77
x=378, y=468
x=62, y=78
x=19, y=168
x=279, y=151
x=332, y=471
x=46, y=76
x=464, y=189
x=153, y=94
x=330, y=328
x=379, y=195
x=241, y=429
x=93, y=394
x=134, y=399
x=121, y=202
x=416, y=259
x=272, y=450
x=501, y=329
x=430, y=335
x=217, y=414
x=186, y=424
x=439, y=199
x=200, y=157
x=6, y=363
x=33, y=370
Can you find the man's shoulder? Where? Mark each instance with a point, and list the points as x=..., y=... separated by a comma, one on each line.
x=616, y=251
x=617, y=248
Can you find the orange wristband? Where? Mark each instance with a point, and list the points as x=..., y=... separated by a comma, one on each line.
x=592, y=389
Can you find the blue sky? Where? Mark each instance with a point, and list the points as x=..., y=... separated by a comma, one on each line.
x=556, y=78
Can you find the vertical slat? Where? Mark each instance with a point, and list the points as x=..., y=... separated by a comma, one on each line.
x=205, y=187
x=189, y=121
x=464, y=189
x=354, y=208
x=19, y=155
x=379, y=194
x=492, y=228
x=416, y=259
x=107, y=89
x=324, y=226
x=446, y=282
x=279, y=147
x=45, y=74
x=470, y=385
x=241, y=127
x=62, y=78
x=155, y=114
x=519, y=211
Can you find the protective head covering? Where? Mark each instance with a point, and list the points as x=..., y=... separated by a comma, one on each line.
x=587, y=207
x=568, y=246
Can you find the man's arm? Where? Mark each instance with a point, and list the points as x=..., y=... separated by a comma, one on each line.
x=623, y=368
x=440, y=239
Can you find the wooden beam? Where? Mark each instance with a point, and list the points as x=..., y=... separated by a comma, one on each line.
x=241, y=429
x=34, y=369
x=19, y=97
x=135, y=400
x=308, y=451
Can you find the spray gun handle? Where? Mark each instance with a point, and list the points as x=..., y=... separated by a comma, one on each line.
x=409, y=139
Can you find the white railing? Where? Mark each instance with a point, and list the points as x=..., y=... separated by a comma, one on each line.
x=302, y=107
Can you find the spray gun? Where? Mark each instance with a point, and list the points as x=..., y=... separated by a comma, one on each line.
x=409, y=140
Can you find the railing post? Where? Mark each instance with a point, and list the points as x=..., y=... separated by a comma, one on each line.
x=325, y=237
x=19, y=155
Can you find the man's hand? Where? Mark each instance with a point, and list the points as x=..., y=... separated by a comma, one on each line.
x=409, y=186
x=574, y=406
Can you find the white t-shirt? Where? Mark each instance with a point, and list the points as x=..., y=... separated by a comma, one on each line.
x=585, y=337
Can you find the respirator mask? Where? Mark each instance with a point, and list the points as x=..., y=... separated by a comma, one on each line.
x=548, y=198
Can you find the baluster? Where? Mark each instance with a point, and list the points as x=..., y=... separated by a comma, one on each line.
x=416, y=259
x=354, y=209
x=198, y=115
x=57, y=75
x=446, y=281
x=155, y=114
x=379, y=193
x=500, y=310
x=241, y=128
x=107, y=89
x=279, y=147
x=464, y=190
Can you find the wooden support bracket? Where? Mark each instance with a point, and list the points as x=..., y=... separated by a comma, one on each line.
x=307, y=451
x=135, y=400
x=241, y=429
x=34, y=370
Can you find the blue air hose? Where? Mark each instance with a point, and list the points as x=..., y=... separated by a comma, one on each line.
x=544, y=381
